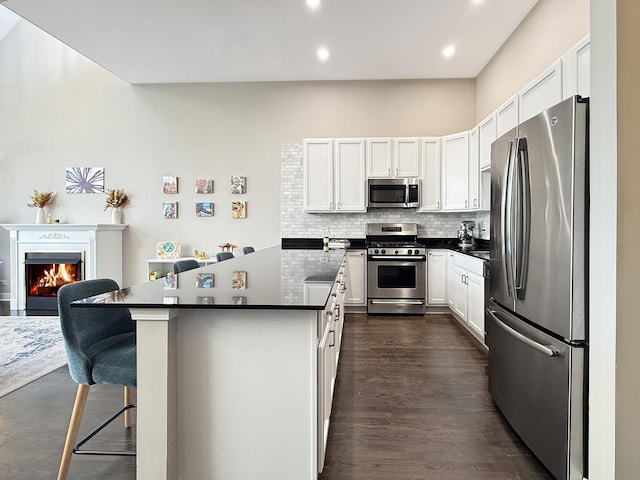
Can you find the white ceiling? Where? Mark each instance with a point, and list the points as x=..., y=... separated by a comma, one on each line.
x=163, y=41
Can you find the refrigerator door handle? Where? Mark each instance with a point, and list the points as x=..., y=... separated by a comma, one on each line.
x=506, y=212
x=523, y=228
x=526, y=340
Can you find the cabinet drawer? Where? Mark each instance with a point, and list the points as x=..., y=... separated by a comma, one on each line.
x=470, y=264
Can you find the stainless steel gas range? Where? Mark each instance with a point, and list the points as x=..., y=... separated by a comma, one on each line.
x=396, y=282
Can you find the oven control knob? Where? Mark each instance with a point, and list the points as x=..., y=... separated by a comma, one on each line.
x=383, y=251
x=376, y=251
x=410, y=252
x=397, y=252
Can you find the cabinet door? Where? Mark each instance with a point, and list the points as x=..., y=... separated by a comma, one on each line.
x=460, y=292
x=576, y=68
x=430, y=190
x=544, y=92
x=474, y=170
x=507, y=116
x=406, y=157
x=486, y=136
x=451, y=278
x=475, y=304
x=356, y=278
x=350, y=178
x=455, y=169
x=379, y=157
x=436, y=277
x=318, y=175
x=324, y=393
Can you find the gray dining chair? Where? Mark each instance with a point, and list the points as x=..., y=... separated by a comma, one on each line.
x=184, y=265
x=101, y=349
x=222, y=256
x=247, y=250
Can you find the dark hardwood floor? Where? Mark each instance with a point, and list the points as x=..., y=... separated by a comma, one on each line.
x=411, y=402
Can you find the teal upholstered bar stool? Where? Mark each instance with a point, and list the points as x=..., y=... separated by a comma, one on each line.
x=101, y=348
x=222, y=256
x=184, y=265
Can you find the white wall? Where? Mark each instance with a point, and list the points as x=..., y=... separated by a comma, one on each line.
x=58, y=109
x=551, y=28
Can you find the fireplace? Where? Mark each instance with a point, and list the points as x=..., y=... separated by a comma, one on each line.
x=99, y=247
x=45, y=273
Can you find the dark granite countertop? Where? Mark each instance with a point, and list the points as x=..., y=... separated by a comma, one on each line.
x=479, y=251
x=272, y=278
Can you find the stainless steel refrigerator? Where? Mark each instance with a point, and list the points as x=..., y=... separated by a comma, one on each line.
x=537, y=311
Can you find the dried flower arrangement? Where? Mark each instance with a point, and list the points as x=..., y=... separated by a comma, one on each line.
x=116, y=198
x=227, y=247
x=40, y=199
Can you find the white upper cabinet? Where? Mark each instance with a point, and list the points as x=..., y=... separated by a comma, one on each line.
x=407, y=157
x=455, y=172
x=334, y=175
x=350, y=181
x=318, y=175
x=430, y=191
x=544, y=92
x=576, y=64
x=379, y=157
x=507, y=116
x=474, y=170
x=486, y=136
x=393, y=157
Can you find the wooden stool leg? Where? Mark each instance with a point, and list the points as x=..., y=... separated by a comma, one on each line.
x=72, y=434
x=127, y=413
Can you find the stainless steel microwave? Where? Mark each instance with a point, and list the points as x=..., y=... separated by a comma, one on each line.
x=393, y=192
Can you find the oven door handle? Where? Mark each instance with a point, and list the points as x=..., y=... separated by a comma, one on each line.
x=397, y=302
x=390, y=258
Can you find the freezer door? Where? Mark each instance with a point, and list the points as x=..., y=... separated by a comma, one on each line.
x=500, y=265
x=550, y=210
x=538, y=384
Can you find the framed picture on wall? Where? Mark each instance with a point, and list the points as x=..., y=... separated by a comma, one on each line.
x=239, y=209
x=238, y=184
x=204, y=280
x=204, y=209
x=204, y=185
x=85, y=180
x=170, y=210
x=170, y=184
x=239, y=280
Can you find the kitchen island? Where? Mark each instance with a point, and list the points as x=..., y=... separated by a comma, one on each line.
x=236, y=366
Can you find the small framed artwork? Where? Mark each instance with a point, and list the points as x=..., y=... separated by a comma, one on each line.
x=204, y=185
x=170, y=282
x=204, y=280
x=239, y=209
x=85, y=180
x=170, y=300
x=168, y=249
x=239, y=280
x=238, y=184
x=204, y=209
x=239, y=300
x=170, y=184
x=170, y=210
x=204, y=300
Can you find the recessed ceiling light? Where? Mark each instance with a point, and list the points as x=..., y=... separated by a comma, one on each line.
x=323, y=53
x=449, y=51
x=313, y=4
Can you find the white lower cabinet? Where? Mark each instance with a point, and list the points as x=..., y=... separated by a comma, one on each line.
x=466, y=292
x=436, y=277
x=356, y=273
x=331, y=325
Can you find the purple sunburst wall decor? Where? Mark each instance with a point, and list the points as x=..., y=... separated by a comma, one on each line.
x=85, y=180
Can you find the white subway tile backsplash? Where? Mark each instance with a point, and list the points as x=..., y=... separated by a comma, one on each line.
x=295, y=223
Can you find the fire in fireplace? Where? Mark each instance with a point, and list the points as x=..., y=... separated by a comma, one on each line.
x=45, y=273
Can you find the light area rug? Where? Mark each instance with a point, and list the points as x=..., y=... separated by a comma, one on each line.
x=30, y=347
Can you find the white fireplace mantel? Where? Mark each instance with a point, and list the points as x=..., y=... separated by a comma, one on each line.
x=101, y=245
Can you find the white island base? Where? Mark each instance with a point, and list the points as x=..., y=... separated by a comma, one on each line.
x=227, y=394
